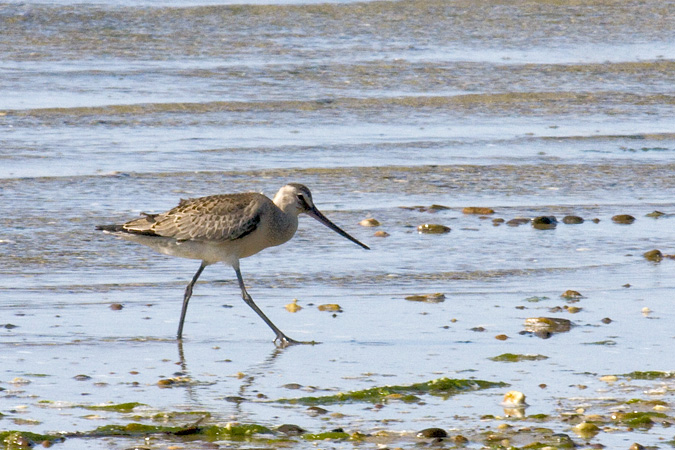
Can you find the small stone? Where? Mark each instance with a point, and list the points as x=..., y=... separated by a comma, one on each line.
x=624, y=219
x=547, y=324
x=636, y=446
x=459, y=439
x=609, y=378
x=653, y=255
x=290, y=430
x=432, y=228
x=544, y=222
x=116, y=306
x=331, y=307
x=293, y=306
x=571, y=294
x=478, y=210
x=381, y=233
x=82, y=377
x=572, y=220
x=606, y=320
x=432, y=433
x=656, y=214
x=438, y=297
x=518, y=221
x=514, y=398
x=501, y=337
x=369, y=222
x=316, y=411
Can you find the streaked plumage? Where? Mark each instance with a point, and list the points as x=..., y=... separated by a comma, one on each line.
x=225, y=228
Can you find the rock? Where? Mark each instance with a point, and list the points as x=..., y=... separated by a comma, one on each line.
x=569, y=294
x=586, y=430
x=116, y=306
x=331, y=307
x=293, y=306
x=381, y=234
x=478, y=210
x=624, y=219
x=547, y=324
x=655, y=214
x=432, y=433
x=369, y=223
x=316, y=411
x=518, y=221
x=636, y=446
x=438, y=297
x=653, y=255
x=544, y=222
x=430, y=228
x=290, y=430
x=514, y=399
x=501, y=337
x=572, y=220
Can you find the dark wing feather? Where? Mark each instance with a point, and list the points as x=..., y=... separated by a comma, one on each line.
x=214, y=218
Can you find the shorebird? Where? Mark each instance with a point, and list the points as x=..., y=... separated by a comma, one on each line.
x=226, y=228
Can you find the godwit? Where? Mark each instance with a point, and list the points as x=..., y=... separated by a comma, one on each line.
x=226, y=228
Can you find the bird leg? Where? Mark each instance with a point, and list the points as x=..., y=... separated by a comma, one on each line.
x=186, y=299
x=281, y=340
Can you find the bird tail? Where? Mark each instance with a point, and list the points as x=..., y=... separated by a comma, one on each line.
x=110, y=228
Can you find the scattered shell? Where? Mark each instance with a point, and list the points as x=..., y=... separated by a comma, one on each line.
x=624, y=219
x=381, y=233
x=653, y=255
x=293, y=306
x=438, y=297
x=514, y=398
x=369, y=222
x=518, y=221
x=547, y=324
x=432, y=433
x=572, y=220
x=332, y=307
x=431, y=228
x=544, y=222
x=478, y=210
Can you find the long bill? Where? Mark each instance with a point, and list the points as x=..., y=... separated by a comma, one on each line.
x=316, y=214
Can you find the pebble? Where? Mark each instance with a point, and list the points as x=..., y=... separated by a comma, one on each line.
x=332, y=307
x=514, y=398
x=547, y=324
x=624, y=219
x=478, y=210
x=293, y=306
x=571, y=294
x=290, y=430
x=370, y=223
x=653, y=255
x=432, y=228
x=518, y=221
x=316, y=411
x=438, y=297
x=572, y=220
x=501, y=337
x=544, y=222
x=381, y=234
x=432, y=433
x=116, y=306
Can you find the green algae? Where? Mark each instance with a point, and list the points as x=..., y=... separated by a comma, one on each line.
x=25, y=439
x=329, y=435
x=210, y=432
x=441, y=387
x=119, y=407
x=650, y=375
x=512, y=357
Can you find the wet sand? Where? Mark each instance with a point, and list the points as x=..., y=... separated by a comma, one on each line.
x=383, y=109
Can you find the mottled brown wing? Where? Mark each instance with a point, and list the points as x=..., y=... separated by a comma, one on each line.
x=214, y=218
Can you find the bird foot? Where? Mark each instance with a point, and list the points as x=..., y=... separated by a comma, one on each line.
x=284, y=341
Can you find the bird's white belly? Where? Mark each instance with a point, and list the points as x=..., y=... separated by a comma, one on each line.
x=207, y=251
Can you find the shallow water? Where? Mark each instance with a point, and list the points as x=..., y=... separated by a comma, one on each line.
x=110, y=109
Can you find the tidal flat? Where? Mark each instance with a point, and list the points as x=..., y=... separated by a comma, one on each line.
x=536, y=137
